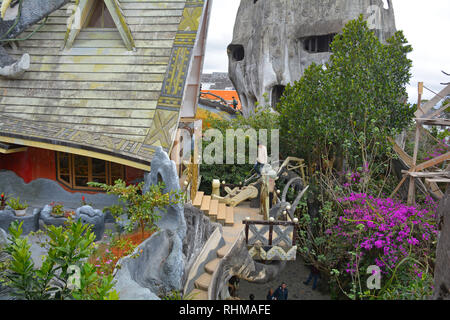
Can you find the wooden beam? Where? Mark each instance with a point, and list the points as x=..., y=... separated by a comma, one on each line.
x=82, y=14
x=406, y=158
x=434, y=122
x=426, y=174
x=439, y=111
x=430, y=104
x=433, y=162
x=399, y=185
x=412, y=187
x=438, y=180
x=121, y=24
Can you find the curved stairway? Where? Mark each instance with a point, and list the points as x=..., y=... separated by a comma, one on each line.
x=225, y=215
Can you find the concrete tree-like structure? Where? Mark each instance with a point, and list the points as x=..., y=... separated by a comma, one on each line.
x=275, y=41
x=17, y=16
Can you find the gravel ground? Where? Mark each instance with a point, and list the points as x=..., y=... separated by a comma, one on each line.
x=293, y=275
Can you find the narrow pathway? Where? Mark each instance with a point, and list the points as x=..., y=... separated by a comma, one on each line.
x=293, y=275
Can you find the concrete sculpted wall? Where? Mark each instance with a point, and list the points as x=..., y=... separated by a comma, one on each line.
x=275, y=41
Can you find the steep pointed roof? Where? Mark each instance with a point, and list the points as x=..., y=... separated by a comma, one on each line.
x=98, y=98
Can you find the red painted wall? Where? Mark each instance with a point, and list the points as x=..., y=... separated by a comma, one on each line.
x=38, y=163
x=30, y=165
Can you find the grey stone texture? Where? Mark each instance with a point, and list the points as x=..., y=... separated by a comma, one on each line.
x=30, y=220
x=161, y=263
x=199, y=230
x=164, y=170
x=41, y=192
x=239, y=263
x=268, y=46
x=442, y=269
x=48, y=219
x=3, y=238
x=93, y=217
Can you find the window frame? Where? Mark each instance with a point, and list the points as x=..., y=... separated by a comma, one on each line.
x=72, y=184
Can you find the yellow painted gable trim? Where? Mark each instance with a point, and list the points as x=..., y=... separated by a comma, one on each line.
x=72, y=150
x=14, y=150
x=84, y=11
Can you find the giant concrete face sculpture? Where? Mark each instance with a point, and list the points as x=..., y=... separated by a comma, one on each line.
x=274, y=41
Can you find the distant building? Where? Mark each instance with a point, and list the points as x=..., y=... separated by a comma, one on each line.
x=216, y=81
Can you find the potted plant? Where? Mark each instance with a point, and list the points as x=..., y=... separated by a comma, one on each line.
x=3, y=199
x=19, y=208
x=57, y=210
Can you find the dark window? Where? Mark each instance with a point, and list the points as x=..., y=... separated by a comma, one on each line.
x=76, y=171
x=318, y=43
x=236, y=51
x=100, y=17
x=277, y=93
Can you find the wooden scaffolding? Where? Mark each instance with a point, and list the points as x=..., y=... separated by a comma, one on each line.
x=426, y=114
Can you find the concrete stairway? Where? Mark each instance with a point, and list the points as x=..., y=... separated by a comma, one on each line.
x=216, y=211
x=231, y=231
x=203, y=282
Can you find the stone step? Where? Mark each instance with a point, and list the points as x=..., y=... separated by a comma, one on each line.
x=198, y=294
x=205, y=204
x=198, y=199
x=203, y=282
x=224, y=250
x=229, y=220
x=222, y=213
x=213, y=209
x=212, y=266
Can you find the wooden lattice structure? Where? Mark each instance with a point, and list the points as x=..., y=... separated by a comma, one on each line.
x=271, y=240
x=425, y=115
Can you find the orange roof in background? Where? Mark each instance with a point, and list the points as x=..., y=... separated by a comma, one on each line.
x=227, y=95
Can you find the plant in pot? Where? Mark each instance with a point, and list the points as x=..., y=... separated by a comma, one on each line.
x=19, y=208
x=57, y=210
x=3, y=199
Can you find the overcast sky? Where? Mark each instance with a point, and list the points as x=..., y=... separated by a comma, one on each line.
x=426, y=25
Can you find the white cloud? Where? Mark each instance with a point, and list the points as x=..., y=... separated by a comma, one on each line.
x=425, y=24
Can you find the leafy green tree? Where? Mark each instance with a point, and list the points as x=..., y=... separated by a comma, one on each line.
x=346, y=109
x=67, y=250
x=142, y=207
x=262, y=118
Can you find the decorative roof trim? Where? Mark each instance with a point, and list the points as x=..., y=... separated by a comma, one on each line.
x=83, y=11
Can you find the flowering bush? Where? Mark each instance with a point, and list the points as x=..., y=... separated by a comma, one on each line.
x=386, y=233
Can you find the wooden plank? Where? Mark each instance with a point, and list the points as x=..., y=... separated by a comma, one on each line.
x=434, y=122
x=82, y=85
x=412, y=187
x=141, y=52
x=438, y=180
x=205, y=204
x=198, y=199
x=426, y=174
x=94, y=36
x=80, y=112
x=213, y=209
x=80, y=94
x=97, y=59
x=398, y=186
x=79, y=103
x=431, y=103
x=222, y=213
x=95, y=77
x=433, y=162
x=407, y=159
x=229, y=221
x=110, y=68
x=79, y=43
